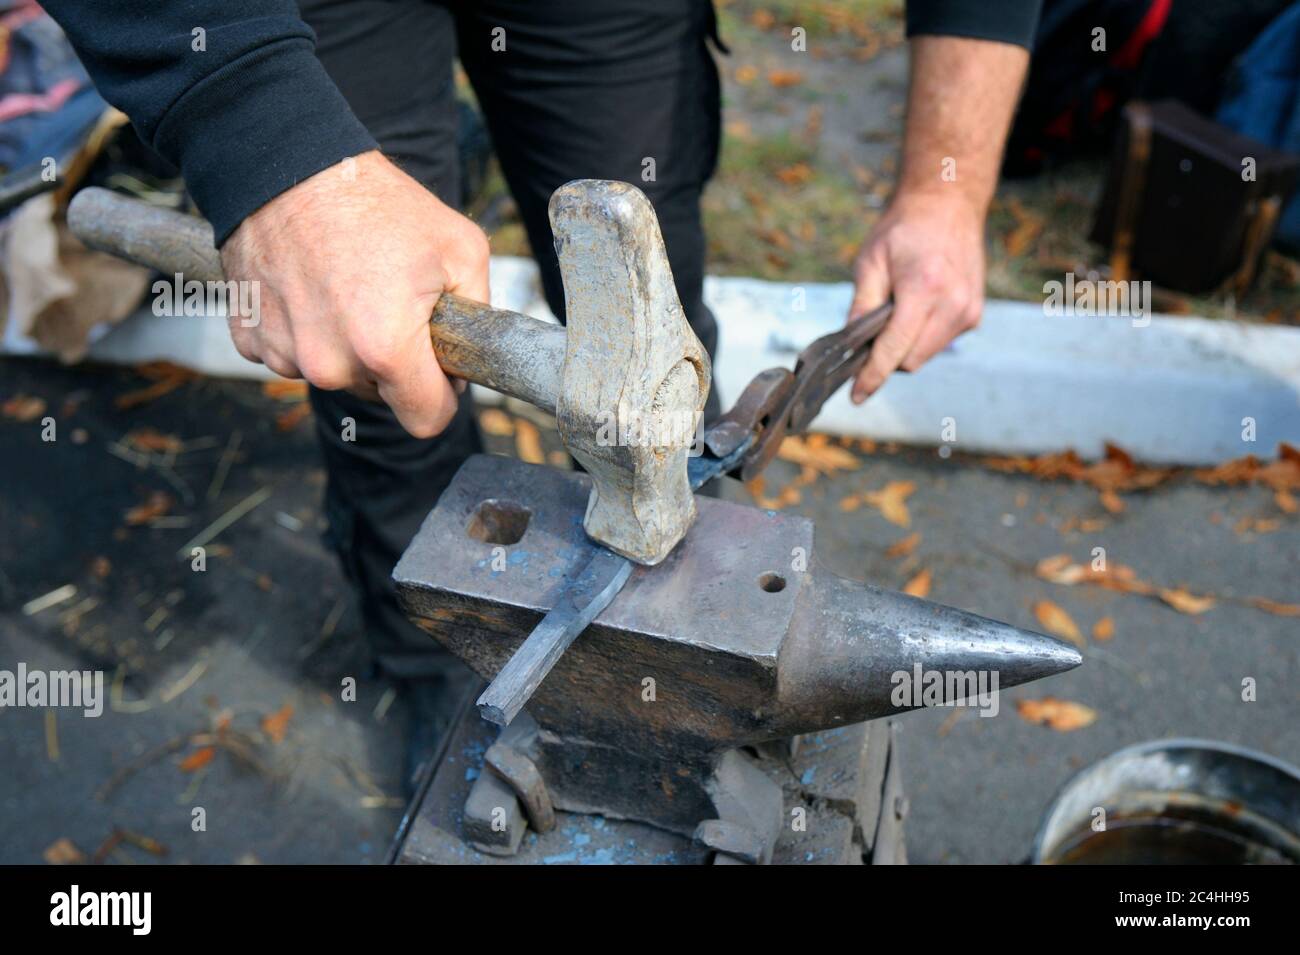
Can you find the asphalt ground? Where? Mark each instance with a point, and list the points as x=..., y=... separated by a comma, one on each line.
x=226, y=687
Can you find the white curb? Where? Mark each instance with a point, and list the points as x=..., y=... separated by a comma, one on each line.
x=1175, y=390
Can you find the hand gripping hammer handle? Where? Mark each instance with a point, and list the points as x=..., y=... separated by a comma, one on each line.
x=502, y=350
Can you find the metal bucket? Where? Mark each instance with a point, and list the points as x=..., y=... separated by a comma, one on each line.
x=1180, y=801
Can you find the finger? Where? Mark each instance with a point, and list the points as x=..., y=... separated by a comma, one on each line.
x=870, y=284
x=282, y=366
x=416, y=389
x=943, y=325
x=893, y=344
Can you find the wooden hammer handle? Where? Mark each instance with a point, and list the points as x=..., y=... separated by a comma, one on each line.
x=505, y=351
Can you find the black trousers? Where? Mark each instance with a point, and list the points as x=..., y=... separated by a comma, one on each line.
x=570, y=89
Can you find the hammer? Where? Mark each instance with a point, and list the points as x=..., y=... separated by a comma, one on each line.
x=626, y=380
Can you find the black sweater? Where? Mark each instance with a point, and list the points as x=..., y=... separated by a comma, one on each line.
x=254, y=112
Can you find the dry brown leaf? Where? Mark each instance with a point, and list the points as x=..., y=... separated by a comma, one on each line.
x=291, y=418
x=1112, y=502
x=850, y=503
x=63, y=852
x=496, y=422
x=824, y=456
x=153, y=440
x=1103, y=629
x=1274, y=607
x=276, y=724
x=166, y=377
x=285, y=389
x=1057, y=622
x=919, y=586
x=528, y=442
x=155, y=505
x=781, y=79
x=795, y=175
x=891, y=501
x=23, y=408
x=198, y=759
x=1185, y=602
x=1061, y=715
x=746, y=74
x=904, y=546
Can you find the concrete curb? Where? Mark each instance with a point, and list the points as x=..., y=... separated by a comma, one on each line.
x=1174, y=390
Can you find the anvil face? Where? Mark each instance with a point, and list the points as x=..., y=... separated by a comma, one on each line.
x=706, y=626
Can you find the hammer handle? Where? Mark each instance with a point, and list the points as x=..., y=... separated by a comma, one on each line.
x=502, y=350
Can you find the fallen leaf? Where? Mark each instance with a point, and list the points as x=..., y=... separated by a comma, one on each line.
x=1103, y=629
x=166, y=377
x=850, y=503
x=153, y=440
x=276, y=724
x=528, y=442
x=23, y=408
x=746, y=75
x=919, y=586
x=780, y=79
x=1058, y=622
x=1185, y=602
x=1112, y=502
x=290, y=419
x=198, y=759
x=903, y=547
x=1026, y=231
x=1274, y=607
x=155, y=505
x=285, y=389
x=891, y=501
x=496, y=422
x=825, y=457
x=795, y=175
x=63, y=852
x=1061, y=715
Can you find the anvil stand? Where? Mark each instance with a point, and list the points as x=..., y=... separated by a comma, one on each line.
x=607, y=778
x=847, y=780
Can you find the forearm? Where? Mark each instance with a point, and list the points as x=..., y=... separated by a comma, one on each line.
x=229, y=90
x=963, y=95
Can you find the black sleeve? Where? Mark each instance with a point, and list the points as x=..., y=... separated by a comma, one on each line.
x=1008, y=21
x=244, y=108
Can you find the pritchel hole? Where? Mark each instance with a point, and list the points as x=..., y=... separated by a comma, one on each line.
x=772, y=583
x=498, y=522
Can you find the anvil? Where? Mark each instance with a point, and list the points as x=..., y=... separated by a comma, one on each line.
x=740, y=637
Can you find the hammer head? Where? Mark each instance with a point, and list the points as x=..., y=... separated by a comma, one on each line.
x=635, y=377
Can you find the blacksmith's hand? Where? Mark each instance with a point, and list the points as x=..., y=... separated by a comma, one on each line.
x=350, y=263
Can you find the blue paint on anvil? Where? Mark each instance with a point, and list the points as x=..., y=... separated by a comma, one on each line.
x=471, y=773
x=560, y=859
x=599, y=857
x=581, y=839
x=598, y=822
x=808, y=775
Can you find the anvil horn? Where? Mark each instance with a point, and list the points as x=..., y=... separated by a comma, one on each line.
x=863, y=643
